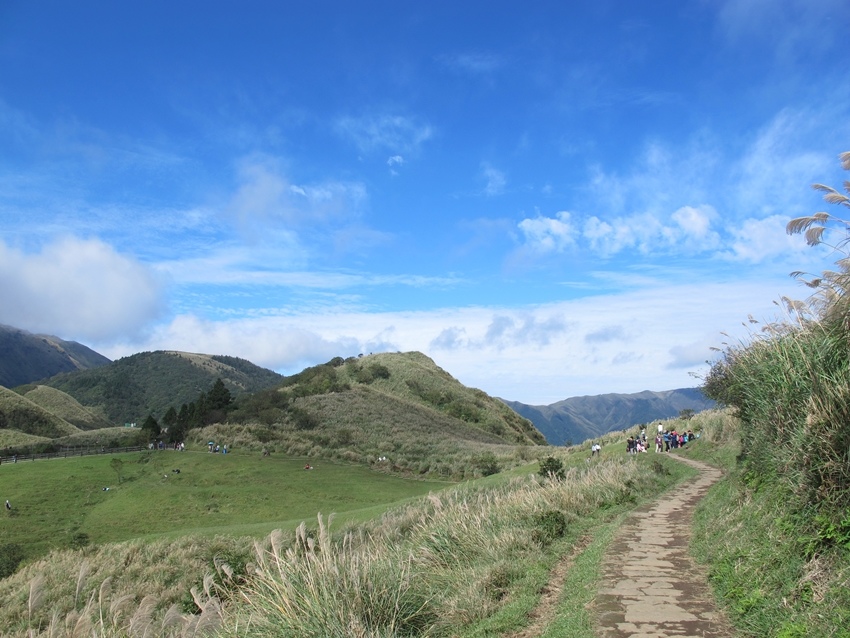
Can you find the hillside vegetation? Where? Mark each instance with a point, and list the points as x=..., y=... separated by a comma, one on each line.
x=398, y=412
x=63, y=405
x=129, y=389
x=778, y=539
x=21, y=414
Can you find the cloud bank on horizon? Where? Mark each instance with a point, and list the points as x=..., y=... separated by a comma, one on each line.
x=549, y=201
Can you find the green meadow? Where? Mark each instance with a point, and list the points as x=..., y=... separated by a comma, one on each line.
x=56, y=502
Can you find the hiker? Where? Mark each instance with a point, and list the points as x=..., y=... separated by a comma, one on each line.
x=658, y=443
x=8, y=506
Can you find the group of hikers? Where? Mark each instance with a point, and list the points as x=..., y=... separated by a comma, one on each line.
x=665, y=441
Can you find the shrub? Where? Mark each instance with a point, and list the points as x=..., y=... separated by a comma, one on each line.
x=487, y=464
x=551, y=467
x=11, y=555
x=549, y=526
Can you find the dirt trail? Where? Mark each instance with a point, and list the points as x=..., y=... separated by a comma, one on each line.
x=650, y=586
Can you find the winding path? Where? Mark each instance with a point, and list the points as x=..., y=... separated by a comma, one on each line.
x=650, y=586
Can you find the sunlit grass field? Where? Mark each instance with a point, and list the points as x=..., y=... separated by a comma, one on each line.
x=55, y=501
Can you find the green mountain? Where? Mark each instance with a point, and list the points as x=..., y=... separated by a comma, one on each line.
x=400, y=412
x=581, y=418
x=27, y=357
x=129, y=389
x=413, y=384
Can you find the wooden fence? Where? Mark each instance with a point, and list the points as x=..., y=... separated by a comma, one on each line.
x=70, y=452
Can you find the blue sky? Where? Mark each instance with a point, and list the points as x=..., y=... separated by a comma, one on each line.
x=549, y=199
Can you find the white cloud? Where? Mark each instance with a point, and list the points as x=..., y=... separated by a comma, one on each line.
x=548, y=234
x=77, y=288
x=757, y=240
x=394, y=162
x=650, y=337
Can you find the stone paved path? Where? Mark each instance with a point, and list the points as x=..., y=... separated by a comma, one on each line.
x=650, y=585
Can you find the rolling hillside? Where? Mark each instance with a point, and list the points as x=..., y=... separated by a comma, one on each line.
x=63, y=405
x=27, y=357
x=400, y=412
x=22, y=415
x=580, y=418
x=129, y=389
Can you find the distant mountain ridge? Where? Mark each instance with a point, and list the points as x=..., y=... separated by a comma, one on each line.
x=578, y=419
x=26, y=357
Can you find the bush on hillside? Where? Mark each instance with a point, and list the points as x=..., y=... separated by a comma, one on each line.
x=11, y=555
x=550, y=467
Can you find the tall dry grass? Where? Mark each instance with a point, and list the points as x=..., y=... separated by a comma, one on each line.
x=425, y=569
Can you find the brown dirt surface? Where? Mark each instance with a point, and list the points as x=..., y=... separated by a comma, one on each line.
x=650, y=585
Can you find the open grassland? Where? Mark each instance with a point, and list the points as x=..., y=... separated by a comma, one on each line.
x=469, y=560
x=57, y=501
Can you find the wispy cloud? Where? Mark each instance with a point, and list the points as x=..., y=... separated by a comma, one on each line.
x=394, y=162
x=495, y=180
x=265, y=195
x=473, y=63
x=397, y=134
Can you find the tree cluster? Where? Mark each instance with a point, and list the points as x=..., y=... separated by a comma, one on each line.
x=209, y=407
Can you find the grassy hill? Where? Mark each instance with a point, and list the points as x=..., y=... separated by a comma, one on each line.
x=398, y=412
x=129, y=389
x=20, y=414
x=63, y=405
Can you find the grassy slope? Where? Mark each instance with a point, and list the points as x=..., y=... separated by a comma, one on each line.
x=15, y=439
x=416, y=377
x=21, y=414
x=413, y=418
x=755, y=551
x=56, y=499
x=65, y=407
